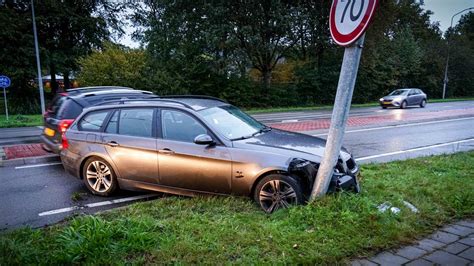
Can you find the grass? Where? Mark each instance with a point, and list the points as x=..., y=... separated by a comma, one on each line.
x=220, y=230
x=21, y=121
x=325, y=107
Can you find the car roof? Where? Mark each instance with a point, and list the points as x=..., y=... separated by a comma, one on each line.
x=101, y=90
x=194, y=102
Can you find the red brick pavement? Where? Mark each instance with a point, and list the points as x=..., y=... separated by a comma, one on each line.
x=373, y=120
x=22, y=151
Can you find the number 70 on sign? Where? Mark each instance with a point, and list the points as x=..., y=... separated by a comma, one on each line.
x=349, y=19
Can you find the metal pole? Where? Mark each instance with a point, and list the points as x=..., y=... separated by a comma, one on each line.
x=445, y=81
x=38, y=63
x=340, y=112
x=5, y=99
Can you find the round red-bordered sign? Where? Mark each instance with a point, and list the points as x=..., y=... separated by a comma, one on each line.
x=349, y=19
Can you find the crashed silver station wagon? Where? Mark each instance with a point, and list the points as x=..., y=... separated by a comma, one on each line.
x=195, y=144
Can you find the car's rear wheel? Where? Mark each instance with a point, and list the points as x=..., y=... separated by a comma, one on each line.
x=384, y=107
x=99, y=177
x=423, y=103
x=403, y=105
x=277, y=191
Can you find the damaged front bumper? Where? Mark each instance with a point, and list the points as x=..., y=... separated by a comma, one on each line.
x=344, y=177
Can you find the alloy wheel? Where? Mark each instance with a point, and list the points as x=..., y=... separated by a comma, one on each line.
x=276, y=194
x=99, y=176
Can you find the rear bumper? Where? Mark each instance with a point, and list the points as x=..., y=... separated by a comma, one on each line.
x=50, y=144
x=71, y=163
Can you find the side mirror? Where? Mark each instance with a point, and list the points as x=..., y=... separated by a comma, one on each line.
x=204, y=139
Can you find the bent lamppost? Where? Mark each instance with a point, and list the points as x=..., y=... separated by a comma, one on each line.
x=445, y=83
x=38, y=63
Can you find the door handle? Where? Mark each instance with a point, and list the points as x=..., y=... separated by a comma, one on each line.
x=166, y=151
x=112, y=144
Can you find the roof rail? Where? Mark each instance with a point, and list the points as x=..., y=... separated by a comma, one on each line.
x=99, y=88
x=148, y=99
x=193, y=96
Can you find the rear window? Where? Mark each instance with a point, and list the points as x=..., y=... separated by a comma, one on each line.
x=69, y=110
x=55, y=105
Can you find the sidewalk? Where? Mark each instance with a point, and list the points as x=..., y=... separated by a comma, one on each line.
x=23, y=151
x=451, y=245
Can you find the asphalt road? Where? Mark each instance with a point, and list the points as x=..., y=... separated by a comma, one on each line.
x=9, y=136
x=37, y=196
x=359, y=111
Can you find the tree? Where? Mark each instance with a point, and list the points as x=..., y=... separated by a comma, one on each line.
x=461, y=62
x=113, y=65
x=68, y=30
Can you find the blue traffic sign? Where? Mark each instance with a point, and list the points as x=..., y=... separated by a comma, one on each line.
x=4, y=82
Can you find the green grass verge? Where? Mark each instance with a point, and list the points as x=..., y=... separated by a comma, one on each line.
x=227, y=229
x=21, y=121
x=325, y=107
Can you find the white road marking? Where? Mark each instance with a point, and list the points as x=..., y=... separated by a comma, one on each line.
x=40, y=127
x=36, y=165
x=96, y=204
x=289, y=121
x=69, y=209
x=398, y=126
x=412, y=150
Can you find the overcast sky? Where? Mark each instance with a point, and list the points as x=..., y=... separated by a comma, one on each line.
x=443, y=11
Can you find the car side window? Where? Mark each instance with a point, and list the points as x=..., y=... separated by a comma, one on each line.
x=179, y=126
x=136, y=122
x=93, y=121
x=113, y=122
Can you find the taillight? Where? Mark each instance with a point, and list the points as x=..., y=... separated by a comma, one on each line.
x=64, y=125
x=64, y=142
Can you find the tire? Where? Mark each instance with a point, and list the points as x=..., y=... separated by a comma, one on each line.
x=277, y=191
x=384, y=107
x=403, y=105
x=423, y=103
x=103, y=183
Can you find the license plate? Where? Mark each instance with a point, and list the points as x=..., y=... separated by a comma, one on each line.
x=49, y=132
x=387, y=102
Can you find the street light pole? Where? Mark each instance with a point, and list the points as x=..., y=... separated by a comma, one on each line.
x=38, y=63
x=445, y=83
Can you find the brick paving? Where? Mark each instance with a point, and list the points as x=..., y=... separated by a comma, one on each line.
x=23, y=151
x=451, y=245
x=309, y=125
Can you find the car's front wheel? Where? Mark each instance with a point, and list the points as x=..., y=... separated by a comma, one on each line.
x=403, y=105
x=277, y=191
x=423, y=103
x=99, y=177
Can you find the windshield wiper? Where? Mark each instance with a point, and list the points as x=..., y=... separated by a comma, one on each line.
x=260, y=131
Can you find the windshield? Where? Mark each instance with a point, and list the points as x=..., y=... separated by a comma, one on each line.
x=232, y=122
x=398, y=92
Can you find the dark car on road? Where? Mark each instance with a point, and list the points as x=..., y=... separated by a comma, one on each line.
x=404, y=97
x=66, y=106
x=190, y=145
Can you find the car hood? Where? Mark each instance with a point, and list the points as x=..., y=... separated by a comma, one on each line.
x=288, y=144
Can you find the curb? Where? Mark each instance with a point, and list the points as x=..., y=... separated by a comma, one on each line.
x=30, y=160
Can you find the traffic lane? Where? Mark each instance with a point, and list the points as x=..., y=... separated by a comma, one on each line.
x=10, y=136
x=382, y=140
x=359, y=111
x=27, y=192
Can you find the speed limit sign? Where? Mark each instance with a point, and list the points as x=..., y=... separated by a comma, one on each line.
x=349, y=19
